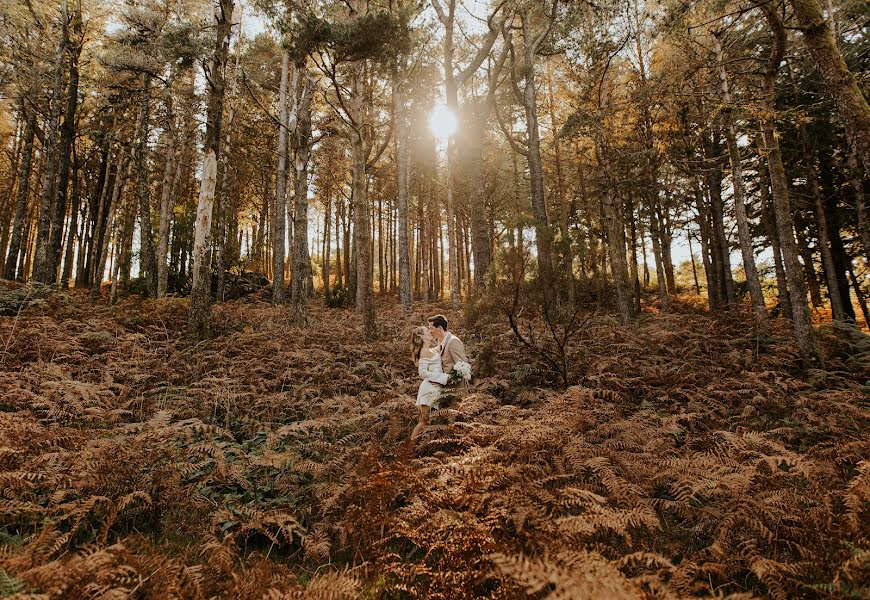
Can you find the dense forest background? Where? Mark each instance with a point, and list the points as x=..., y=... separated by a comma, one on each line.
x=219, y=221
x=600, y=139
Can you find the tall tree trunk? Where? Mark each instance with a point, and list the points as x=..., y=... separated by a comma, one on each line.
x=146, y=245
x=543, y=232
x=779, y=188
x=567, y=265
x=833, y=226
x=840, y=82
x=746, y=247
x=327, y=243
x=722, y=249
x=18, y=223
x=42, y=271
x=200, y=294
x=96, y=209
x=403, y=158
x=222, y=224
x=809, y=159
x=694, y=267
x=8, y=207
x=857, y=183
x=67, y=132
x=102, y=248
x=73, y=225
x=165, y=212
x=280, y=204
x=365, y=300
x=661, y=278
x=635, y=279
x=301, y=143
x=614, y=227
x=772, y=233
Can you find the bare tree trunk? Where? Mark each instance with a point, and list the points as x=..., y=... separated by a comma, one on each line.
x=614, y=226
x=42, y=266
x=797, y=291
x=165, y=212
x=543, y=233
x=694, y=267
x=667, y=242
x=18, y=224
x=722, y=249
x=301, y=144
x=706, y=250
x=327, y=243
x=403, y=156
x=635, y=279
x=280, y=204
x=339, y=229
x=561, y=201
x=837, y=310
x=73, y=226
x=146, y=245
x=8, y=209
x=103, y=244
x=661, y=278
x=66, y=142
x=857, y=184
x=746, y=248
x=772, y=232
x=222, y=225
x=200, y=294
x=365, y=301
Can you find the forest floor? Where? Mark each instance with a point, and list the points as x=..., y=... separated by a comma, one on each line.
x=691, y=456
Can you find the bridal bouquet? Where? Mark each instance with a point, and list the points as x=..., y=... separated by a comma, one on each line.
x=461, y=372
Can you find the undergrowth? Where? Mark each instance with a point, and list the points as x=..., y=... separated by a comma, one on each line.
x=691, y=456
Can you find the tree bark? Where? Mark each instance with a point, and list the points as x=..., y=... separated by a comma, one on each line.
x=42, y=264
x=18, y=224
x=102, y=248
x=840, y=82
x=8, y=207
x=746, y=247
x=73, y=226
x=528, y=98
x=280, y=203
x=403, y=158
x=661, y=277
x=561, y=197
x=67, y=132
x=779, y=188
x=148, y=260
x=770, y=225
x=200, y=295
x=301, y=144
x=857, y=183
x=165, y=212
x=96, y=209
x=365, y=300
x=614, y=226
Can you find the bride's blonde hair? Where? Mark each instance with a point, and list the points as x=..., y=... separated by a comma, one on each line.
x=417, y=343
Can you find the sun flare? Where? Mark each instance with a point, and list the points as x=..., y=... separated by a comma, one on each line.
x=442, y=122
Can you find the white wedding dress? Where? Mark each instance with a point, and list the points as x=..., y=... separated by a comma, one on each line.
x=429, y=369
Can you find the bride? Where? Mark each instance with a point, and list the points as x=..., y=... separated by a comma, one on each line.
x=428, y=362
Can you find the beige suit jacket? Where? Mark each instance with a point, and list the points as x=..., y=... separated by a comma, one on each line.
x=452, y=352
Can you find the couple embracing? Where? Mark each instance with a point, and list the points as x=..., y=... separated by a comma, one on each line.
x=441, y=362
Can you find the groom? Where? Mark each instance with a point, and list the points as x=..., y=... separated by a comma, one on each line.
x=450, y=347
